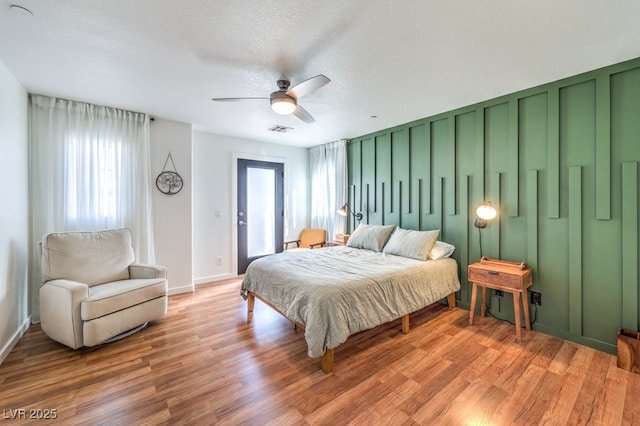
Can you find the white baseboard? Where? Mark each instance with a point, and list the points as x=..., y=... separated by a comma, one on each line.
x=6, y=349
x=179, y=290
x=213, y=278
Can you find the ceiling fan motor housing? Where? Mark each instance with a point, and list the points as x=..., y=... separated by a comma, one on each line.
x=283, y=85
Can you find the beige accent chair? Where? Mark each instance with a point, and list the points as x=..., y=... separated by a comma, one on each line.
x=93, y=291
x=309, y=238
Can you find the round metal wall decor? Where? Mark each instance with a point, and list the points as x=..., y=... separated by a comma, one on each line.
x=169, y=182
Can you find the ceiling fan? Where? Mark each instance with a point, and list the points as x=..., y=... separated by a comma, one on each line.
x=285, y=101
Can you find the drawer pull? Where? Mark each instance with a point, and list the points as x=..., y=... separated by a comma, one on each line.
x=493, y=272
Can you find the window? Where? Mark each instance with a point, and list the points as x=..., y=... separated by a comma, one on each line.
x=92, y=181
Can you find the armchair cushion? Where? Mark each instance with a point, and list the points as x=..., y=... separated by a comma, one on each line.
x=309, y=238
x=87, y=257
x=114, y=296
x=312, y=237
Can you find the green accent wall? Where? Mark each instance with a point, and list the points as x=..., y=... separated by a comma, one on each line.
x=560, y=163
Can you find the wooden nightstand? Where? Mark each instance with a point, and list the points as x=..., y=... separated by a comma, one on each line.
x=341, y=240
x=505, y=278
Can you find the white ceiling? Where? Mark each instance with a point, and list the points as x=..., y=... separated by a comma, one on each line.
x=398, y=60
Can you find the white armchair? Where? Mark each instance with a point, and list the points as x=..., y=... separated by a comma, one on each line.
x=93, y=291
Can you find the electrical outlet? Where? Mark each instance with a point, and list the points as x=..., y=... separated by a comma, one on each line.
x=218, y=260
x=536, y=298
x=498, y=293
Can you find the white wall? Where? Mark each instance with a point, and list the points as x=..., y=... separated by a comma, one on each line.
x=172, y=213
x=213, y=189
x=14, y=212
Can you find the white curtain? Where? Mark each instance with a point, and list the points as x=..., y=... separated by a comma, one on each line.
x=89, y=170
x=328, y=164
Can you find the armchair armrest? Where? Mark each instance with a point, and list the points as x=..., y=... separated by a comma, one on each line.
x=139, y=270
x=286, y=243
x=316, y=245
x=60, y=317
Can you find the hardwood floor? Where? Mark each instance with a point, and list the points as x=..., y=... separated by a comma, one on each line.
x=203, y=364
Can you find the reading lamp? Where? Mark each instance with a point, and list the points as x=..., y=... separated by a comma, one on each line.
x=342, y=211
x=484, y=214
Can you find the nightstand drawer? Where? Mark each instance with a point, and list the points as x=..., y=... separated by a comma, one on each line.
x=498, y=278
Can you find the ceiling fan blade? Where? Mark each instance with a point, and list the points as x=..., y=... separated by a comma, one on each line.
x=308, y=86
x=237, y=99
x=303, y=115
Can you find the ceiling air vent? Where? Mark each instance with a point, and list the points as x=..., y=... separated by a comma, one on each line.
x=280, y=129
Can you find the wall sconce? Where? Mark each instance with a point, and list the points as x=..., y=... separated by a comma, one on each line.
x=342, y=211
x=484, y=213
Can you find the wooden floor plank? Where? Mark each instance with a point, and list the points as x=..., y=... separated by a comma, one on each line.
x=203, y=363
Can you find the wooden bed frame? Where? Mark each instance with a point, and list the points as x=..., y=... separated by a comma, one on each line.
x=327, y=357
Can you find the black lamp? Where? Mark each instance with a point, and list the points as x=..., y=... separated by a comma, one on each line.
x=345, y=209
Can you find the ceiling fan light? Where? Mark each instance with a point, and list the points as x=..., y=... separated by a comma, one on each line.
x=284, y=105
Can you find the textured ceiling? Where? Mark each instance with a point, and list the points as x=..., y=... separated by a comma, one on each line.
x=398, y=60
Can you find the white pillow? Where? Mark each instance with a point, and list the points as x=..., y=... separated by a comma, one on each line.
x=412, y=244
x=441, y=250
x=370, y=237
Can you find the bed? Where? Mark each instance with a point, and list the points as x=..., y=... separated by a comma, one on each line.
x=335, y=292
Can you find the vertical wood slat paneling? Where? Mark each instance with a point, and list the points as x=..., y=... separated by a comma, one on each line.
x=630, y=318
x=412, y=219
x=350, y=219
x=416, y=137
x=513, y=180
x=464, y=256
x=392, y=154
x=532, y=219
x=440, y=195
x=383, y=175
x=495, y=192
x=401, y=167
x=575, y=250
x=367, y=202
x=420, y=165
x=396, y=205
x=410, y=201
x=355, y=193
x=368, y=182
x=603, y=147
x=479, y=175
x=553, y=153
x=428, y=184
x=354, y=197
x=417, y=195
x=451, y=176
x=382, y=201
